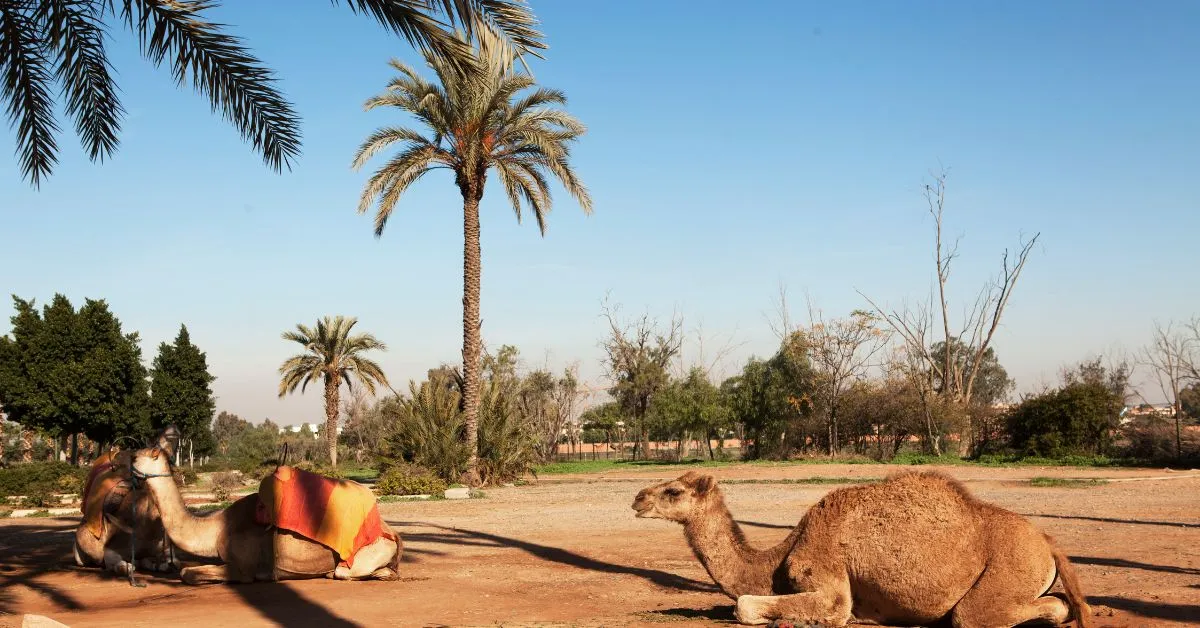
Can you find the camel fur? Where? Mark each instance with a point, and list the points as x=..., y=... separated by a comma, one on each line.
x=249, y=550
x=113, y=508
x=915, y=549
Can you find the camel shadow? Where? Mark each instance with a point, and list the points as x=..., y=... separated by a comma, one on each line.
x=721, y=614
x=1170, y=524
x=1130, y=564
x=475, y=538
x=1151, y=610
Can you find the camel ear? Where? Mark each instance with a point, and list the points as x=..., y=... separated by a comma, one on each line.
x=704, y=484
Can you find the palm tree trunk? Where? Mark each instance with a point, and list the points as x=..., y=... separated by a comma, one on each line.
x=472, y=269
x=332, y=384
x=27, y=445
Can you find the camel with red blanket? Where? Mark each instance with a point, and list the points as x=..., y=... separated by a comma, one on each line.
x=299, y=525
x=114, y=509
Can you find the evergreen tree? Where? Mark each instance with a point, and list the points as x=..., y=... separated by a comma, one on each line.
x=181, y=393
x=68, y=372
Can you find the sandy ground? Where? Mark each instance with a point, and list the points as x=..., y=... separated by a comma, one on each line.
x=568, y=551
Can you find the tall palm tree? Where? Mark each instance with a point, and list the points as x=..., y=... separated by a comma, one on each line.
x=47, y=41
x=474, y=122
x=333, y=356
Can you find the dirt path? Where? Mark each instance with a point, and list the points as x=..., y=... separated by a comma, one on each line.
x=571, y=553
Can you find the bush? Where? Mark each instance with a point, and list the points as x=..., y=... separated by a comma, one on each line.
x=320, y=469
x=409, y=479
x=224, y=484
x=40, y=496
x=186, y=476
x=20, y=478
x=1075, y=419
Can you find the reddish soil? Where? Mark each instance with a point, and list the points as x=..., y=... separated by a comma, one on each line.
x=569, y=551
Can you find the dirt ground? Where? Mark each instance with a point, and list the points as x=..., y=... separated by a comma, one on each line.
x=568, y=551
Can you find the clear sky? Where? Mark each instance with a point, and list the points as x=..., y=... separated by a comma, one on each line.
x=728, y=152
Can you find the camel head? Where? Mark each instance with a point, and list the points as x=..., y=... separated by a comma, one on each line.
x=167, y=440
x=154, y=461
x=676, y=500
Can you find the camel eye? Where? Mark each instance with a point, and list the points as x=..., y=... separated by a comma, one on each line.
x=674, y=492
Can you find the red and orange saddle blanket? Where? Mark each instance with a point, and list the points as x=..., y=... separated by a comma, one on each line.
x=338, y=514
x=106, y=491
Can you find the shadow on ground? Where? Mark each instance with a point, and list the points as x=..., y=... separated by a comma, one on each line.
x=465, y=537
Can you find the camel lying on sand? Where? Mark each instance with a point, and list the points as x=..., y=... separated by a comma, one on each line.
x=113, y=507
x=911, y=550
x=250, y=550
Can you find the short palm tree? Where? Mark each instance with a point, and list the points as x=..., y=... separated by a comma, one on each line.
x=332, y=355
x=474, y=122
x=44, y=42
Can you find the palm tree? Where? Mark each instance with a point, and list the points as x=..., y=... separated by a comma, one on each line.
x=474, y=122
x=332, y=355
x=47, y=41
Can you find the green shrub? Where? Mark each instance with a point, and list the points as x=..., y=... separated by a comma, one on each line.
x=40, y=495
x=186, y=476
x=17, y=479
x=409, y=479
x=5, y=513
x=224, y=484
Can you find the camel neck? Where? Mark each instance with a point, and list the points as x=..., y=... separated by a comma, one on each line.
x=192, y=534
x=736, y=566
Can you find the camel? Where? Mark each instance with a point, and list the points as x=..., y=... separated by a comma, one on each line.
x=914, y=549
x=251, y=551
x=124, y=513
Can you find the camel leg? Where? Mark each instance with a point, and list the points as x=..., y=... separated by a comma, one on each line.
x=89, y=550
x=819, y=608
x=373, y=561
x=1012, y=591
x=207, y=574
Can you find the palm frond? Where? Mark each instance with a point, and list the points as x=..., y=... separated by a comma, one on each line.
x=75, y=33
x=222, y=68
x=392, y=179
x=383, y=138
x=504, y=29
x=26, y=86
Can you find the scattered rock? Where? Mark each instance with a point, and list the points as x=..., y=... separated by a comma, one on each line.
x=40, y=621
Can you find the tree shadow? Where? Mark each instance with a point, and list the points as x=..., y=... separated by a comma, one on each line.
x=283, y=605
x=1171, y=524
x=772, y=526
x=1130, y=564
x=1153, y=610
x=31, y=550
x=475, y=538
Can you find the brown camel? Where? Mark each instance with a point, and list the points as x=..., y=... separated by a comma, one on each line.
x=114, y=508
x=912, y=550
x=249, y=550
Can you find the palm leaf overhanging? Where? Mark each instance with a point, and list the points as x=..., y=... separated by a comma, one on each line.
x=48, y=44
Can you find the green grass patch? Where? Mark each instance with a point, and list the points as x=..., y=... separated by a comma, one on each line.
x=40, y=514
x=1065, y=482
x=203, y=508
x=5, y=513
x=363, y=474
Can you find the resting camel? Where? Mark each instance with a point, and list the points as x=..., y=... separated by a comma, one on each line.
x=250, y=550
x=912, y=550
x=113, y=508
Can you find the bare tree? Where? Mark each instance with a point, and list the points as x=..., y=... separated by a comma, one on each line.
x=957, y=366
x=842, y=351
x=1171, y=358
x=638, y=355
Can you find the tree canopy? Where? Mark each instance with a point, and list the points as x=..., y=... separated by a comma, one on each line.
x=181, y=392
x=65, y=371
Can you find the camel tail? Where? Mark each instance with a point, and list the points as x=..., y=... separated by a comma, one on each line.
x=1070, y=581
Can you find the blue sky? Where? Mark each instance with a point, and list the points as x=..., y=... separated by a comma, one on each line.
x=727, y=153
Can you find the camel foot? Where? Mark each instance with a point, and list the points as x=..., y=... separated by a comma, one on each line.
x=385, y=573
x=752, y=610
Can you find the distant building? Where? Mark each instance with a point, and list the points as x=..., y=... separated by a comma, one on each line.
x=316, y=429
